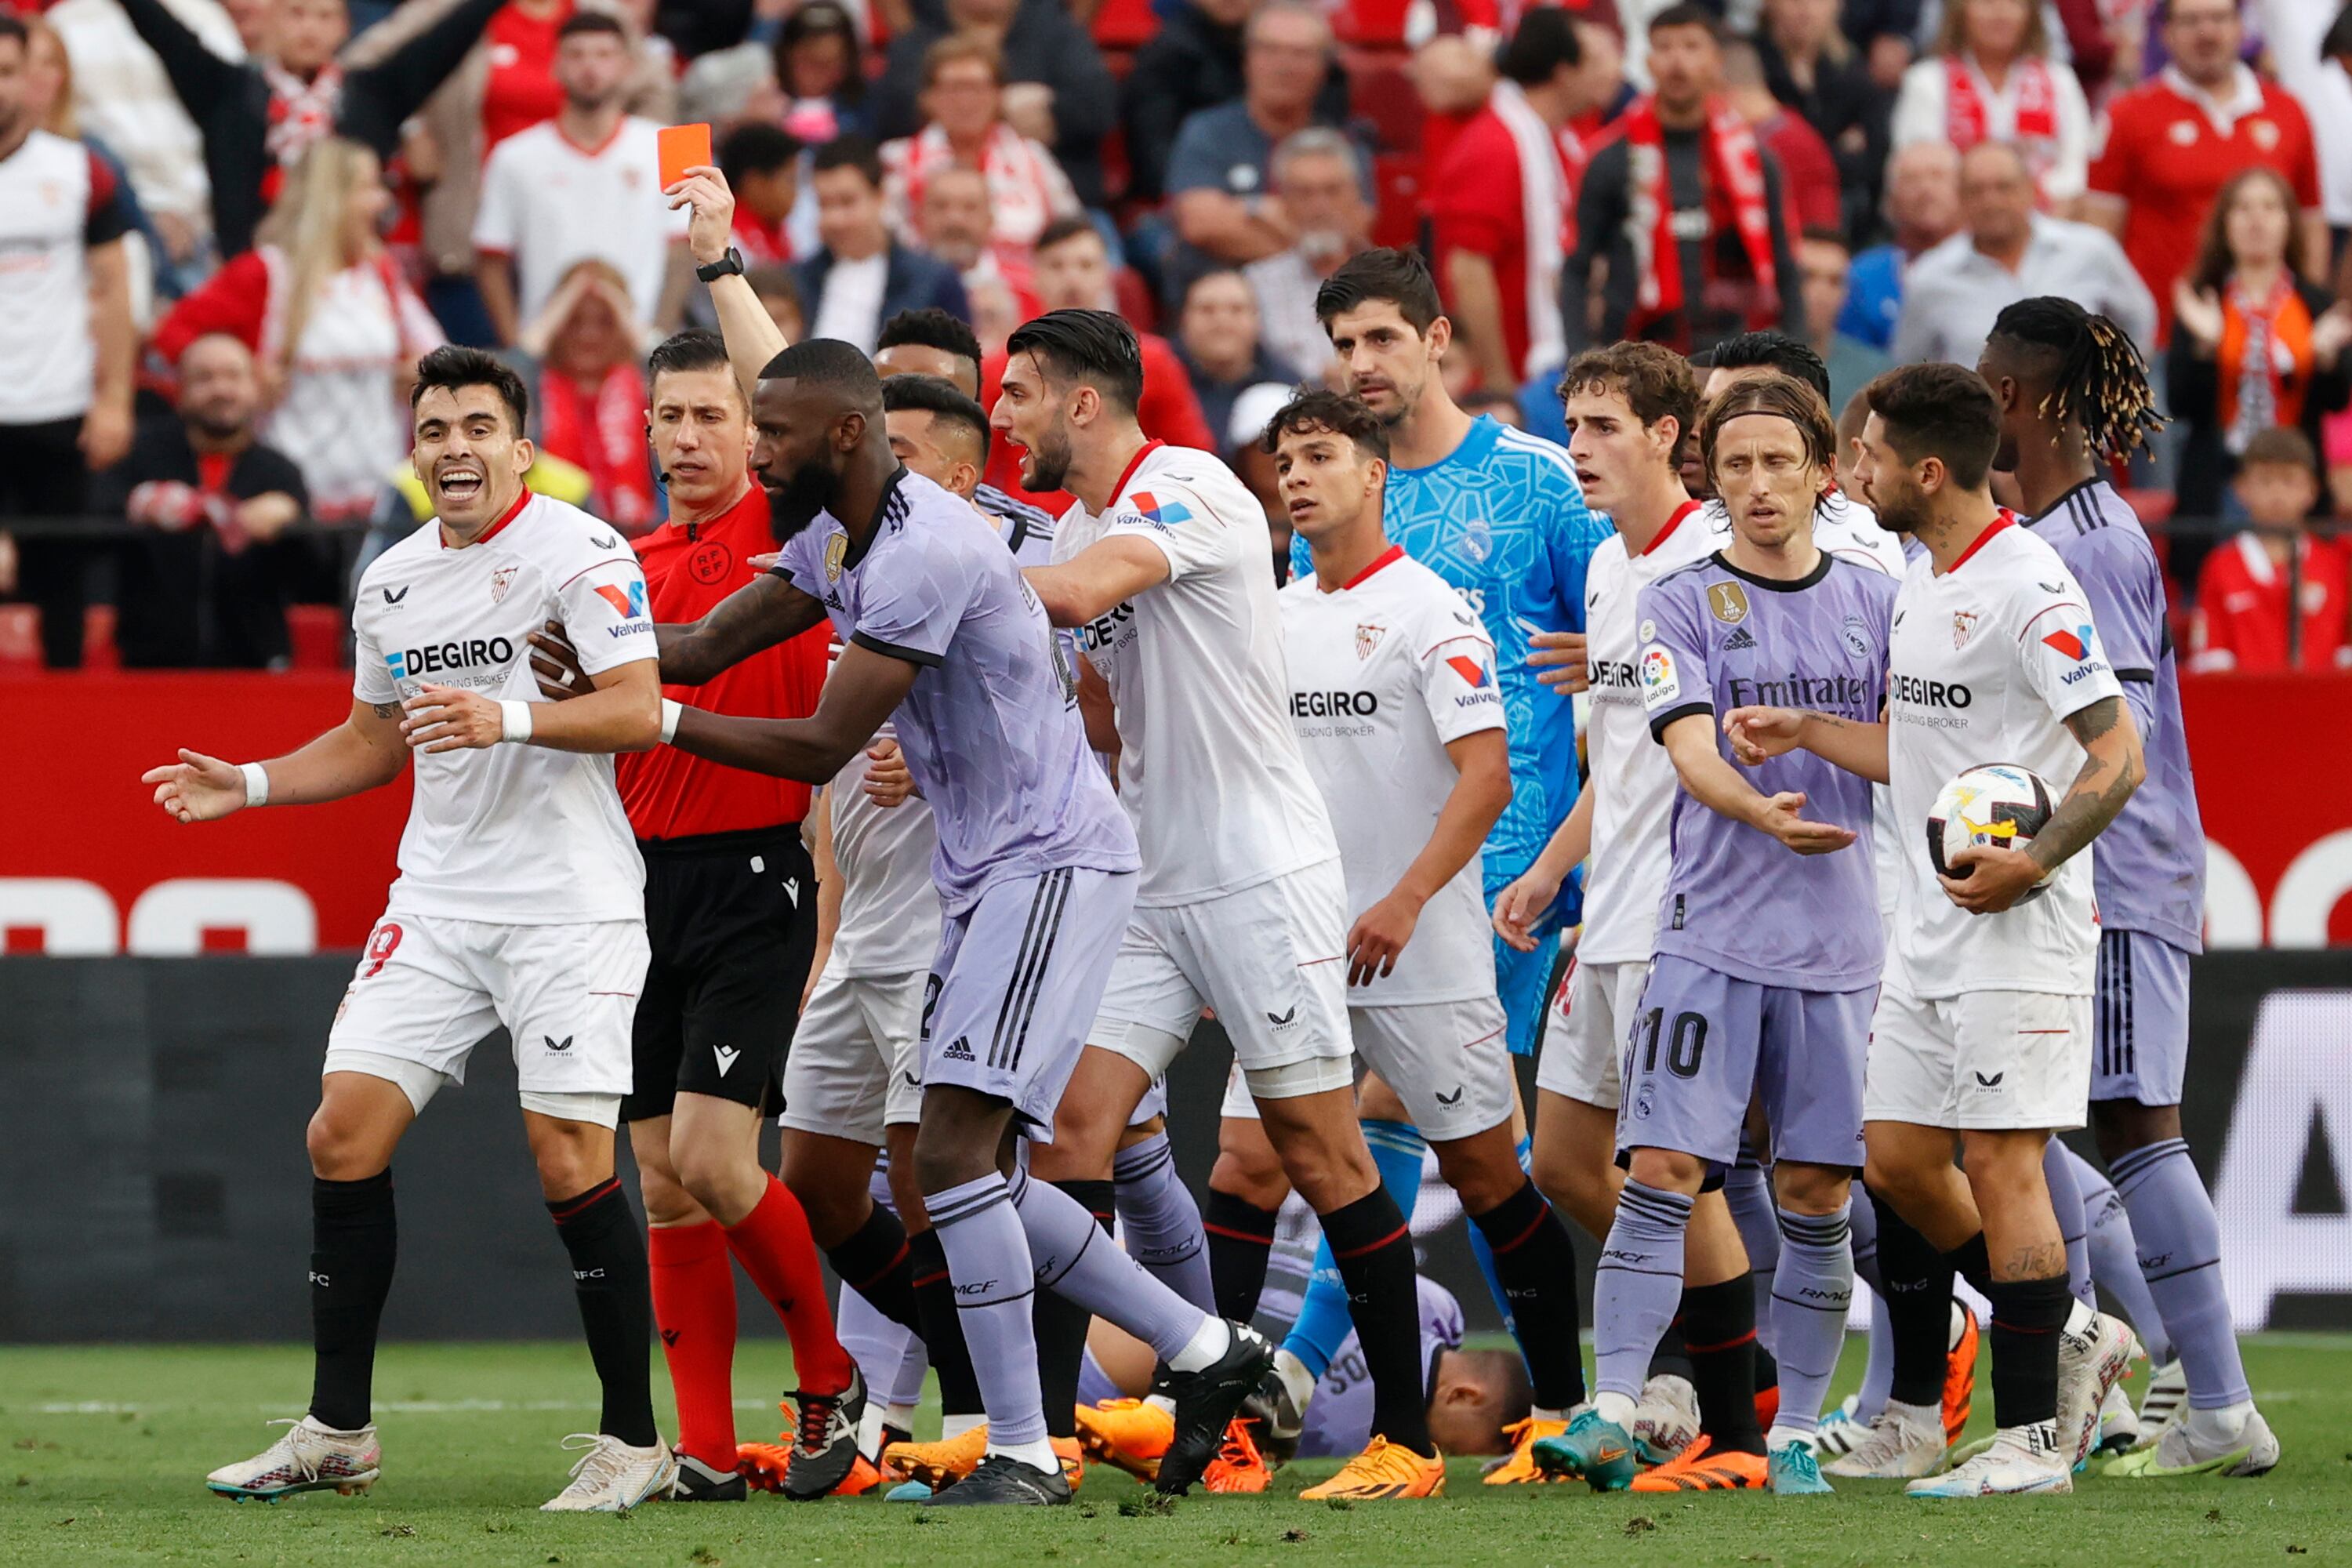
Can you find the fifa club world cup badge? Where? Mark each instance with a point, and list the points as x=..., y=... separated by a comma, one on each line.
x=1368, y=637
x=500, y=581
x=836, y=551
x=1729, y=601
x=1963, y=623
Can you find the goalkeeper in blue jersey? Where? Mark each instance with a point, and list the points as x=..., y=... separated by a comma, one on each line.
x=1498, y=514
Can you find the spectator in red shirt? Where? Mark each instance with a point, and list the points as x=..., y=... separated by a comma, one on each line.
x=958, y=225
x=2242, y=620
x=1807, y=173
x=2173, y=142
x=761, y=163
x=1500, y=203
x=1073, y=272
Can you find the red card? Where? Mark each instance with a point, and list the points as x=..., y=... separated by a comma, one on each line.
x=683, y=147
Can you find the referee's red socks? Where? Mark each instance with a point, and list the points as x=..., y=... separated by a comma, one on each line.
x=773, y=1245
x=694, y=1308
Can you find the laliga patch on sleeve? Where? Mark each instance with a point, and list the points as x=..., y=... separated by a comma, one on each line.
x=1661, y=682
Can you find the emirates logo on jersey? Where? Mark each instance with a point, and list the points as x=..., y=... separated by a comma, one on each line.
x=500, y=581
x=1368, y=637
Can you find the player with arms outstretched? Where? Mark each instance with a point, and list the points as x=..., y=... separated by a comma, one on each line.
x=1981, y=1039
x=2073, y=398
x=520, y=902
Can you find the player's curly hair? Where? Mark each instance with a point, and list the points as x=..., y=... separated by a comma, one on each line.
x=1320, y=408
x=1655, y=382
x=2096, y=378
x=1783, y=397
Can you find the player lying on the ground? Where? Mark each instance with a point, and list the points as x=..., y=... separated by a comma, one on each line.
x=520, y=902
x=1035, y=865
x=1980, y=1042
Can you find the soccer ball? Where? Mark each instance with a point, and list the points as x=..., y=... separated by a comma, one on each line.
x=1999, y=804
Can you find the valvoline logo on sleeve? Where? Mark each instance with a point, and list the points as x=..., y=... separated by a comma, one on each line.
x=1160, y=512
x=628, y=602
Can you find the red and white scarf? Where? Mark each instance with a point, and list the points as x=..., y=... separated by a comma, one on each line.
x=2264, y=351
x=1968, y=114
x=605, y=434
x=1027, y=189
x=300, y=112
x=1732, y=171
x=1548, y=204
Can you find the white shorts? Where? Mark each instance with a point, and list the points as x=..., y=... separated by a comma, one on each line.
x=428, y=989
x=1270, y=960
x=1590, y=1015
x=1992, y=1060
x=1450, y=1062
x=852, y=1068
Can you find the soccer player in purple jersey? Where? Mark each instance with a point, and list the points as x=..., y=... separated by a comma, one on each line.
x=1765, y=968
x=1037, y=865
x=2074, y=396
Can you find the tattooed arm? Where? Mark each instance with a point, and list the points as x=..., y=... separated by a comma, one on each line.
x=764, y=612
x=365, y=751
x=1992, y=880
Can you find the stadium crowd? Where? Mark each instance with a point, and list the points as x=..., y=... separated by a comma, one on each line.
x=236, y=224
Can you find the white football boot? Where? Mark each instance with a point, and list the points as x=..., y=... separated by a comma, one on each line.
x=2186, y=1448
x=1665, y=1422
x=612, y=1476
x=2162, y=1404
x=310, y=1457
x=2091, y=1360
x=2118, y=1423
x=2019, y=1459
x=1905, y=1442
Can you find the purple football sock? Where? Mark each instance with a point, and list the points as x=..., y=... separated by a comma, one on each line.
x=2180, y=1255
x=1159, y=1222
x=2115, y=1260
x=1638, y=1285
x=1809, y=1297
x=2074, y=1227
x=987, y=1258
x=1075, y=1259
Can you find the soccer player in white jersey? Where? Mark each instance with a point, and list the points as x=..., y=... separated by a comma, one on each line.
x=1982, y=1041
x=1628, y=408
x=2073, y=398
x=1244, y=905
x=1394, y=700
x=520, y=902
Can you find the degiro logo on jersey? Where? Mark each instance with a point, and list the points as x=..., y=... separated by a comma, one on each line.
x=407, y=664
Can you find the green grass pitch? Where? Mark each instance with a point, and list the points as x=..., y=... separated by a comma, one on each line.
x=108, y=1449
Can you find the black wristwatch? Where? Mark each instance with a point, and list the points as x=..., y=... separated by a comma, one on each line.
x=728, y=265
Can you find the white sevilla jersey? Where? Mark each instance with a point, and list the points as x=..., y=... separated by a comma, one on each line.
x=889, y=905
x=1986, y=662
x=515, y=835
x=1384, y=672
x=1632, y=777
x=1208, y=767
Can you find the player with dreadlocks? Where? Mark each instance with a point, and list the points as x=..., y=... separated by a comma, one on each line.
x=2075, y=398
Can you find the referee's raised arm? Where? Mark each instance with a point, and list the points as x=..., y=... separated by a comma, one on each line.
x=752, y=336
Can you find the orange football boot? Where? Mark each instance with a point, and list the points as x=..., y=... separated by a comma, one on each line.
x=942, y=1464
x=1238, y=1466
x=1960, y=1376
x=1131, y=1433
x=1695, y=1469
x=1384, y=1469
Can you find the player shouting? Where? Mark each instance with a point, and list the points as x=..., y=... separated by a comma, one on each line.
x=1766, y=967
x=1981, y=1039
x=2073, y=395
x=1393, y=698
x=520, y=902
x=1242, y=906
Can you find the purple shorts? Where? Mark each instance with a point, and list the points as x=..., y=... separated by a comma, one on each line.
x=1705, y=1046
x=2139, y=1019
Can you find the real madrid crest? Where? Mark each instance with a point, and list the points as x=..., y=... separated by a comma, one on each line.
x=1729, y=601
x=836, y=551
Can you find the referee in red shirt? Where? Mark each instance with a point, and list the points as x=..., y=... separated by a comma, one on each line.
x=730, y=911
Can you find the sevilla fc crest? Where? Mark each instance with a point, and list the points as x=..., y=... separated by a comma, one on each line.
x=1963, y=623
x=500, y=580
x=1368, y=637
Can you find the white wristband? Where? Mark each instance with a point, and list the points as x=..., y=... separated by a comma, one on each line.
x=256, y=783
x=671, y=710
x=514, y=720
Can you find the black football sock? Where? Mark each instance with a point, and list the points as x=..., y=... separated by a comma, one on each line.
x=2026, y=1315
x=1672, y=1358
x=1061, y=1324
x=354, y=1242
x=878, y=1263
x=1918, y=1281
x=1241, y=1240
x=610, y=1276
x=1973, y=1263
x=1719, y=1325
x=1536, y=1262
x=1371, y=1243
x=942, y=1329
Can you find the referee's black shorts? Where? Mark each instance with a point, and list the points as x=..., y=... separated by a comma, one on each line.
x=731, y=919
